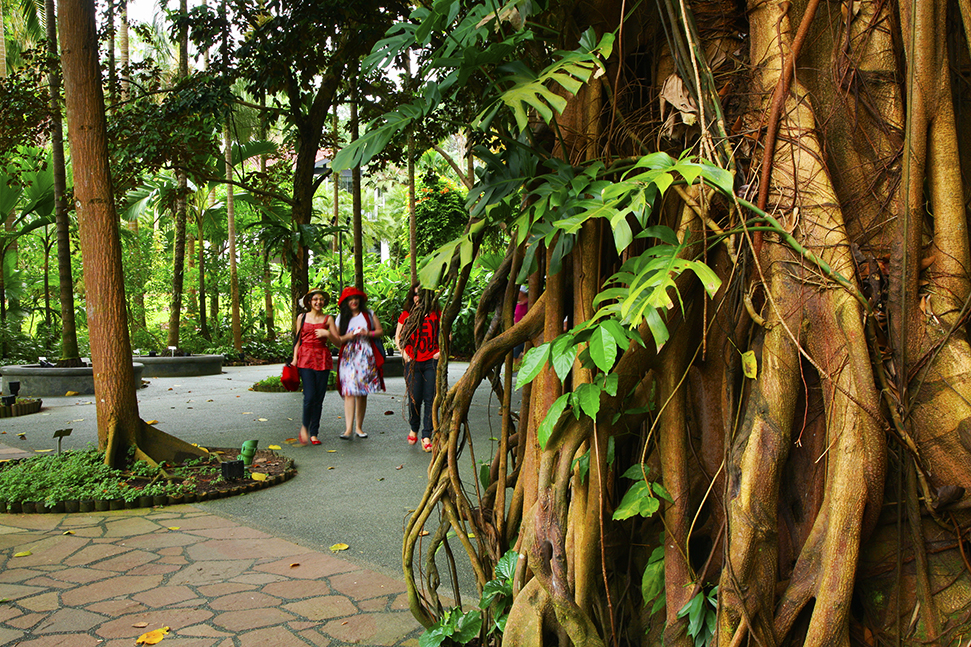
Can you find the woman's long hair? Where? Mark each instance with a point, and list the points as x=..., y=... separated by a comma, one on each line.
x=427, y=303
x=345, y=312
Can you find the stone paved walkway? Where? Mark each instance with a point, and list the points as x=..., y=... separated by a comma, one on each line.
x=106, y=578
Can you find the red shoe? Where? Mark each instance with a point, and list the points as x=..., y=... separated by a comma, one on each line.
x=315, y=441
x=426, y=445
x=412, y=438
x=303, y=437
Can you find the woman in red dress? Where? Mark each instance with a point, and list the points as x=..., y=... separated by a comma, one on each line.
x=311, y=356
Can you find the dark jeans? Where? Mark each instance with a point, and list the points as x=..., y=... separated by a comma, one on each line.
x=314, y=388
x=421, y=388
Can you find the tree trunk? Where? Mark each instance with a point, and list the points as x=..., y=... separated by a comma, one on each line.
x=70, y=356
x=181, y=207
x=231, y=216
x=119, y=426
x=356, y=201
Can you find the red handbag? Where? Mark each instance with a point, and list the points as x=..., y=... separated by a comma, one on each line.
x=290, y=378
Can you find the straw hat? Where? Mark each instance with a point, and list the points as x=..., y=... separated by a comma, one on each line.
x=310, y=295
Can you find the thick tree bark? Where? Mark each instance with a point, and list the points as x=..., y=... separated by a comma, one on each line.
x=114, y=378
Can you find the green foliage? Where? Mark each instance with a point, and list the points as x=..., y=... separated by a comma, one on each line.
x=463, y=626
x=652, y=582
x=701, y=611
x=25, y=118
x=39, y=478
x=440, y=213
x=455, y=625
x=642, y=498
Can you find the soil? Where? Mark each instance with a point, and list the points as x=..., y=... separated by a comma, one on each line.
x=208, y=478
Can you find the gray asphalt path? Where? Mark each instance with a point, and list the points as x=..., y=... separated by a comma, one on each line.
x=357, y=492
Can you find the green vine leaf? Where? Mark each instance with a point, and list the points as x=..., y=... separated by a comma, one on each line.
x=552, y=417
x=533, y=362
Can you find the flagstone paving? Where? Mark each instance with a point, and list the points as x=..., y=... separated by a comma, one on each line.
x=105, y=578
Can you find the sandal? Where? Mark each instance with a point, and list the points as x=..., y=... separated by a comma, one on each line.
x=426, y=445
x=412, y=438
x=360, y=434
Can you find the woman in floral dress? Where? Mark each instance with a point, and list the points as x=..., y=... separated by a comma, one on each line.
x=360, y=363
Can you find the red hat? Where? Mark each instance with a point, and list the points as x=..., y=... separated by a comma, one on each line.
x=351, y=291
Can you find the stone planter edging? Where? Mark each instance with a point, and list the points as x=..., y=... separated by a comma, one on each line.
x=36, y=381
x=188, y=366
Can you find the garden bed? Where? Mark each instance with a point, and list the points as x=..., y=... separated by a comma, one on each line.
x=22, y=407
x=103, y=489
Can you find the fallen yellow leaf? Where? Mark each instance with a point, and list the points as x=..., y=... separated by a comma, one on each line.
x=42, y=451
x=24, y=553
x=331, y=467
x=258, y=476
x=331, y=451
x=174, y=527
x=261, y=419
x=295, y=564
x=247, y=413
x=151, y=422
x=68, y=532
x=70, y=393
x=273, y=447
x=339, y=547
x=152, y=637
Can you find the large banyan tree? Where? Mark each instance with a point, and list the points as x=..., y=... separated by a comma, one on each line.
x=745, y=416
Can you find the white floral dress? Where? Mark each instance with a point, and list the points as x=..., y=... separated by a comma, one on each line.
x=356, y=367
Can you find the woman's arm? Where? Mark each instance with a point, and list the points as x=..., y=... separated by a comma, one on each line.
x=297, y=325
x=378, y=330
x=332, y=330
x=397, y=341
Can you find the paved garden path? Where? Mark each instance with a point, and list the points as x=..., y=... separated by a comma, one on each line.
x=249, y=570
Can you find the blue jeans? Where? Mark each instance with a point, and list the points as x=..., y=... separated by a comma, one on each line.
x=421, y=389
x=314, y=388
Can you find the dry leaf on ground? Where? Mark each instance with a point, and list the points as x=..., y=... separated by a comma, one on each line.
x=339, y=547
x=152, y=637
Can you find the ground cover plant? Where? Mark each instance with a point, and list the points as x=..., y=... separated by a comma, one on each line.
x=83, y=475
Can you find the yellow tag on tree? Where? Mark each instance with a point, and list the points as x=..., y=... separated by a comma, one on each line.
x=750, y=366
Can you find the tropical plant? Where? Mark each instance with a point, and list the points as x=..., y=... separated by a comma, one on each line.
x=731, y=211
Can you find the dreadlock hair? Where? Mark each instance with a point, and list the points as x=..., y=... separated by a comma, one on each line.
x=427, y=303
x=345, y=311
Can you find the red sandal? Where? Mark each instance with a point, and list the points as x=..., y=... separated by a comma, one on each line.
x=426, y=445
x=412, y=438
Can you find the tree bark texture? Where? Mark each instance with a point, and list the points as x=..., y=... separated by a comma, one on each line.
x=825, y=494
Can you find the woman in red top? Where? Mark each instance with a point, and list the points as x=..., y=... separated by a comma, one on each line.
x=417, y=337
x=311, y=356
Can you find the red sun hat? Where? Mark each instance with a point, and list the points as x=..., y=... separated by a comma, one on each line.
x=349, y=292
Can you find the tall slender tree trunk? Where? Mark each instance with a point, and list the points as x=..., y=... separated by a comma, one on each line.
x=123, y=48
x=231, y=216
x=356, y=200
x=412, y=221
x=178, y=265
x=203, y=321
x=70, y=355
